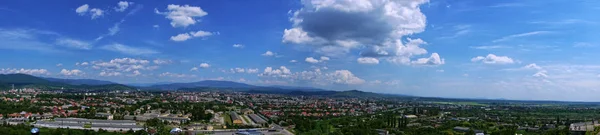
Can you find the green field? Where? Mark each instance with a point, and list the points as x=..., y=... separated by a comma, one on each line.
x=227, y=119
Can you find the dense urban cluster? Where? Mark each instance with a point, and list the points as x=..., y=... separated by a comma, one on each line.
x=219, y=112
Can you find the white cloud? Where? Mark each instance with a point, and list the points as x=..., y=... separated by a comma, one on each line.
x=269, y=53
x=344, y=77
x=72, y=43
x=189, y=35
x=252, y=70
x=129, y=61
x=489, y=47
x=204, y=65
x=282, y=71
x=509, y=37
x=169, y=74
x=367, y=60
x=493, y=59
x=96, y=13
x=24, y=71
x=532, y=66
x=109, y=73
x=182, y=16
x=82, y=64
x=135, y=73
x=161, y=61
x=122, y=6
x=59, y=65
x=116, y=47
x=181, y=37
x=541, y=74
x=238, y=46
x=119, y=66
x=439, y=70
x=313, y=60
x=433, y=60
x=74, y=72
x=113, y=30
x=155, y=26
x=293, y=61
x=376, y=25
x=200, y=33
x=316, y=76
x=401, y=53
x=296, y=35
x=240, y=70
x=83, y=9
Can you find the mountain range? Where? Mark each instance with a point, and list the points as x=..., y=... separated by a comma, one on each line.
x=80, y=81
x=24, y=80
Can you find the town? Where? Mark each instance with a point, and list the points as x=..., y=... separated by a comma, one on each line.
x=226, y=112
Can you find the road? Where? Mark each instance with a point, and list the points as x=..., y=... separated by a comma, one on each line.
x=233, y=131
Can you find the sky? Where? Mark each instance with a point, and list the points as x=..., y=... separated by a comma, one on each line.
x=510, y=49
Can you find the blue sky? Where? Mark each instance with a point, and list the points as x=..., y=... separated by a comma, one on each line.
x=513, y=49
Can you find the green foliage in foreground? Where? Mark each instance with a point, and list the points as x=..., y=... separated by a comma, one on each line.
x=25, y=130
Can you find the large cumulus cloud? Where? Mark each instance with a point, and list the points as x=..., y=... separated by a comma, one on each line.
x=377, y=26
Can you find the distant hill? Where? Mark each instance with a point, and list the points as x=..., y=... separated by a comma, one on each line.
x=350, y=93
x=213, y=85
x=357, y=93
x=296, y=88
x=21, y=79
x=80, y=81
x=206, y=83
x=25, y=80
x=147, y=84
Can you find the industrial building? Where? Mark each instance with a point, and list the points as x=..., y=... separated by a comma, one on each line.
x=235, y=118
x=89, y=124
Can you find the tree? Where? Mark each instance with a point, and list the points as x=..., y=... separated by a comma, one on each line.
x=470, y=132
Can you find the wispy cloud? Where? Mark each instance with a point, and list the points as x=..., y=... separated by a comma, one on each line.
x=563, y=22
x=509, y=37
x=73, y=43
x=458, y=30
x=583, y=44
x=116, y=27
x=489, y=47
x=28, y=39
x=116, y=47
x=505, y=5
